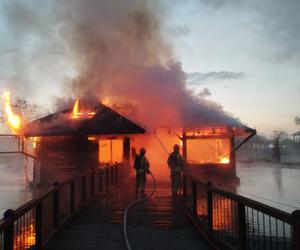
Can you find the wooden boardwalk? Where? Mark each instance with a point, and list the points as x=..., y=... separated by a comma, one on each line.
x=158, y=223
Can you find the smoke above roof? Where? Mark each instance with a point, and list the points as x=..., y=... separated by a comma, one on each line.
x=120, y=53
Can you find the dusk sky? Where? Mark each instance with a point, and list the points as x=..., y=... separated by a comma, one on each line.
x=244, y=54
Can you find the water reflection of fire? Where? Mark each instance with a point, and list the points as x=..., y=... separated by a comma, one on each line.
x=25, y=237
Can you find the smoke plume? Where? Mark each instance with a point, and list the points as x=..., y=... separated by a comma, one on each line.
x=119, y=52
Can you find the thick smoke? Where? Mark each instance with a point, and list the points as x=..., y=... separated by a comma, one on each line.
x=117, y=51
x=122, y=55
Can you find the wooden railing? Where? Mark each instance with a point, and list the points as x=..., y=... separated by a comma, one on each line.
x=232, y=221
x=30, y=226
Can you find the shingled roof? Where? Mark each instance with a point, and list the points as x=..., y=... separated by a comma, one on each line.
x=105, y=122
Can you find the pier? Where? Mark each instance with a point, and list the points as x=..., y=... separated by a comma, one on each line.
x=86, y=212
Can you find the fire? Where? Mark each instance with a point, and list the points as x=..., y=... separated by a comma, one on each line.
x=78, y=114
x=34, y=141
x=75, y=109
x=225, y=160
x=25, y=237
x=13, y=120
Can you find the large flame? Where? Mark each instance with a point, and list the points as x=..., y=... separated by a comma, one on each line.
x=13, y=120
x=76, y=113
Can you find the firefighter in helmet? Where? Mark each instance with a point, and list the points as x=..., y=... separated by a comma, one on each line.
x=141, y=165
x=176, y=164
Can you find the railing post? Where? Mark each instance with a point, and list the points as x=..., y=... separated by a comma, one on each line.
x=72, y=197
x=39, y=226
x=117, y=173
x=242, y=227
x=100, y=181
x=184, y=188
x=83, y=189
x=107, y=178
x=8, y=234
x=112, y=174
x=93, y=184
x=296, y=229
x=56, y=206
x=194, y=193
x=209, y=207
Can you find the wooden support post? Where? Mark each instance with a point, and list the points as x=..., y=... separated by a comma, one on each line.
x=8, y=234
x=112, y=174
x=100, y=181
x=117, y=174
x=107, y=178
x=232, y=156
x=209, y=208
x=56, y=206
x=72, y=198
x=296, y=229
x=19, y=143
x=39, y=226
x=194, y=193
x=184, y=146
x=184, y=188
x=93, y=184
x=22, y=144
x=242, y=227
x=83, y=189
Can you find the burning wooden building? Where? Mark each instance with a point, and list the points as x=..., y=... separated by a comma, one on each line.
x=211, y=150
x=76, y=139
x=79, y=138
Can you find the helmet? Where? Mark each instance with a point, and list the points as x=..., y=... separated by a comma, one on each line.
x=176, y=147
x=142, y=151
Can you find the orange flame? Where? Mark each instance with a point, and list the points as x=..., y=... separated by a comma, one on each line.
x=25, y=237
x=13, y=120
x=225, y=160
x=77, y=114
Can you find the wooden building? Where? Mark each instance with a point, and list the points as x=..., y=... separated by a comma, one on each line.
x=68, y=142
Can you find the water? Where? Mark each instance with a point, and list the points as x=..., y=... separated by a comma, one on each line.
x=276, y=185
x=14, y=180
x=272, y=184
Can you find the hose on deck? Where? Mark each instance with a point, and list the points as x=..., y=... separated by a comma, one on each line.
x=125, y=231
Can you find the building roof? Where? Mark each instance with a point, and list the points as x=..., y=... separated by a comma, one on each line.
x=296, y=133
x=105, y=121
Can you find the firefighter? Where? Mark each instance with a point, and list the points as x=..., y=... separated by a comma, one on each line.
x=141, y=165
x=176, y=164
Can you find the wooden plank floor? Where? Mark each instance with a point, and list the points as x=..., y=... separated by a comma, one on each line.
x=158, y=223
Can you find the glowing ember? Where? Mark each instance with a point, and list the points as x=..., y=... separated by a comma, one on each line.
x=80, y=114
x=13, y=120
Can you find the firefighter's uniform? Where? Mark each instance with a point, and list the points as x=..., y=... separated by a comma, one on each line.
x=141, y=165
x=177, y=165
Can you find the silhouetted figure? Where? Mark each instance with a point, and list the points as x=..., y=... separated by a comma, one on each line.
x=141, y=165
x=177, y=165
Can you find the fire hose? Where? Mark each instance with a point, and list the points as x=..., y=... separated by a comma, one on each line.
x=125, y=231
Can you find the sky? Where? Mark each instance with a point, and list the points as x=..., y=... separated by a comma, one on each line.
x=245, y=55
